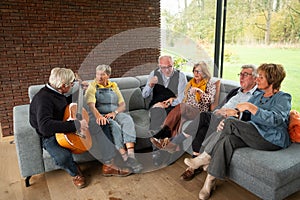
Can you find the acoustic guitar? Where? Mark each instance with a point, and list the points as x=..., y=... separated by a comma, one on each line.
x=79, y=141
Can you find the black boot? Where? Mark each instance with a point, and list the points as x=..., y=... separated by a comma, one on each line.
x=163, y=133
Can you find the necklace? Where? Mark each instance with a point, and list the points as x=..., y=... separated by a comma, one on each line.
x=261, y=99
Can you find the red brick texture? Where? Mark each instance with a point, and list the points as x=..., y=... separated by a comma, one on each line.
x=36, y=37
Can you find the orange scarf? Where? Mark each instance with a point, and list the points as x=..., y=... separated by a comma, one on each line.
x=192, y=83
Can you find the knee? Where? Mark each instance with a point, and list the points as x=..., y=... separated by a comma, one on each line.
x=156, y=111
x=228, y=122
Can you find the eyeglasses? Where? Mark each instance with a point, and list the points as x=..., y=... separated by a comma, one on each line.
x=245, y=74
x=197, y=71
x=165, y=67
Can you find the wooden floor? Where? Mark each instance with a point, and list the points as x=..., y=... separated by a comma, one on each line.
x=156, y=185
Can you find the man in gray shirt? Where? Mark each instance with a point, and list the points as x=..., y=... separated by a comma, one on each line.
x=165, y=86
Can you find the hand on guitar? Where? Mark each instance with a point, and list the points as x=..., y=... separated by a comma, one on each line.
x=83, y=125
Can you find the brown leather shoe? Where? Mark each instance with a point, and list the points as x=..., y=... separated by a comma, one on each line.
x=165, y=145
x=112, y=170
x=79, y=181
x=160, y=143
x=190, y=173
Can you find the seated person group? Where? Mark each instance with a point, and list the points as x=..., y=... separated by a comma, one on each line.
x=215, y=133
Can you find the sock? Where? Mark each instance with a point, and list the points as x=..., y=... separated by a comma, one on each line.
x=178, y=139
x=131, y=152
x=108, y=162
x=125, y=156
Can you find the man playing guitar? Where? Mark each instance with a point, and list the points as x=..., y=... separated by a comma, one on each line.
x=46, y=116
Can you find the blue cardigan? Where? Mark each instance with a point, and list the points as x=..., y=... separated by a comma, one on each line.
x=272, y=117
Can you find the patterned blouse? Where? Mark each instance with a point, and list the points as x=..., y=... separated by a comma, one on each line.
x=206, y=100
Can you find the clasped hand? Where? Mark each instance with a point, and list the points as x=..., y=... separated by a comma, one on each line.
x=247, y=106
x=227, y=112
x=103, y=120
x=193, y=90
x=164, y=104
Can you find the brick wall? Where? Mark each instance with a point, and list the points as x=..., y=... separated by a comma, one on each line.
x=35, y=37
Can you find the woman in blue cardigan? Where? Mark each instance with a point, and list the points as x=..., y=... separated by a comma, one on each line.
x=267, y=129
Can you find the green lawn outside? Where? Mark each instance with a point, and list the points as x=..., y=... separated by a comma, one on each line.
x=237, y=55
x=288, y=57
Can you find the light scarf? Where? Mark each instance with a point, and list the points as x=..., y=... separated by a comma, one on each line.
x=192, y=83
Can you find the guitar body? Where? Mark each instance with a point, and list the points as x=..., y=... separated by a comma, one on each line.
x=77, y=142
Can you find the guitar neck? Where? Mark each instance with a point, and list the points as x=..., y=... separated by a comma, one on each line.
x=79, y=101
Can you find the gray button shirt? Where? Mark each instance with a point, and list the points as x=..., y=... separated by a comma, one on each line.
x=239, y=98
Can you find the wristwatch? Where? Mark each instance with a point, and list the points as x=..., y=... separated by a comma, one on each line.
x=116, y=112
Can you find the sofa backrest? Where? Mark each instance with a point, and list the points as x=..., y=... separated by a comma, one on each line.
x=217, y=95
x=131, y=91
x=226, y=87
x=143, y=81
x=33, y=89
x=129, y=87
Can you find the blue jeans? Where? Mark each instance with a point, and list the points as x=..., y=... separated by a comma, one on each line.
x=103, y=148
x=62, y=156
x=123, y=130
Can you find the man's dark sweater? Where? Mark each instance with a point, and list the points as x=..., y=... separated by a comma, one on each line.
x=47, y=111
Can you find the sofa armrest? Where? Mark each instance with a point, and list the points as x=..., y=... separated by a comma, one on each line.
x=28, y=145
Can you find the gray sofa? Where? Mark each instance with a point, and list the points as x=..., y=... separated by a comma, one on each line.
x=269, y=175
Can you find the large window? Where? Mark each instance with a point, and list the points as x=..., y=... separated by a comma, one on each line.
x=188, y=32
x=252, y=32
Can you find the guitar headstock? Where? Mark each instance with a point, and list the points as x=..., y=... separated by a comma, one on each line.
x=84, y=84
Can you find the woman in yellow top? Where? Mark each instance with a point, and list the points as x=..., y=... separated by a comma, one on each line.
x=107, y=105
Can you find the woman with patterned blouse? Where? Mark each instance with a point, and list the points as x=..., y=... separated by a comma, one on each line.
x=199, y=95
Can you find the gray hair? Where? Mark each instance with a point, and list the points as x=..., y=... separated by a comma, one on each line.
x=60, y=76
x=204, y=68
x=166, y=56
x=105, y=68
x=250, y=66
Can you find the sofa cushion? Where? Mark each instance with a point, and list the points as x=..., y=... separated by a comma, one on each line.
x=217, y=95
x=141, y=121
x=226, y=87
x=33, y=89
x=282, y=169
x=143, y=80
x=133, y=99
